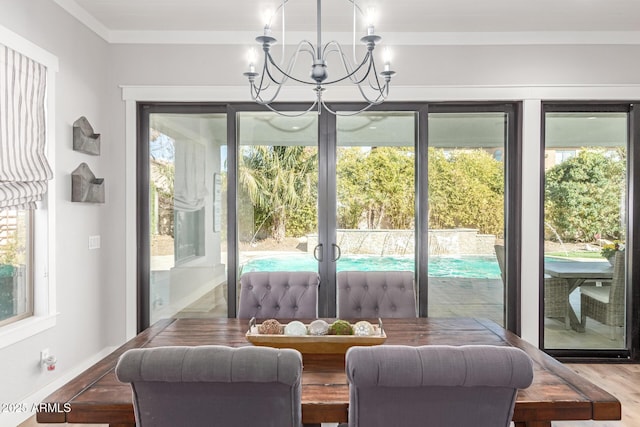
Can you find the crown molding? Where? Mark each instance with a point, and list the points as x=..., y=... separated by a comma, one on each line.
x=78, y=12
x=392, y=38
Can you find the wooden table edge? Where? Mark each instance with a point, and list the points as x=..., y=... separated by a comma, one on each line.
x=95, y=373
x=604, y=405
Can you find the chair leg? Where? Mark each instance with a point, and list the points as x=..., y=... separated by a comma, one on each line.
x=612, y=333
x=567, y=322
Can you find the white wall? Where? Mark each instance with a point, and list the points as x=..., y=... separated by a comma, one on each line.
x=83, y=277
x=92, y=285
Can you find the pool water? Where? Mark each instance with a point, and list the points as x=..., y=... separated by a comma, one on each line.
x=483, y=267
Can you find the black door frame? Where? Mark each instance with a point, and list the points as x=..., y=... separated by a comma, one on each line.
x=326, y=202
x=631, y=352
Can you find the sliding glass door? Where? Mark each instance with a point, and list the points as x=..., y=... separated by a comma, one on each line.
x=375, y=194
x=585, y=227
x=234, y=189
x=182, y=270
x=277, y=191
x=466, y=240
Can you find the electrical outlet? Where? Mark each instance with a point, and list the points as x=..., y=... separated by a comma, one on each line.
x=94, y=242
x=43, y=356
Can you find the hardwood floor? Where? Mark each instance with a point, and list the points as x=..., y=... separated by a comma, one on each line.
x=621, y=380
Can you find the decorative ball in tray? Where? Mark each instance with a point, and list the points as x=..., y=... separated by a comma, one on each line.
x=318, y=337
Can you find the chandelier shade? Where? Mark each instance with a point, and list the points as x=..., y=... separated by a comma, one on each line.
x=267, y=79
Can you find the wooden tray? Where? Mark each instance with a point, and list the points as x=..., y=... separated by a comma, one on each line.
x=315, y=344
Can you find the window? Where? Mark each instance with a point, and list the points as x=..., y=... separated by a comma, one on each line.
x=16, y=299
x=27, y=288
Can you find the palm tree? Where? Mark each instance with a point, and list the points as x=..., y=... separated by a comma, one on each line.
x=277, y=179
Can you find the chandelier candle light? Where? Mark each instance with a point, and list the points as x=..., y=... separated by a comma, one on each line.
x=361, y=73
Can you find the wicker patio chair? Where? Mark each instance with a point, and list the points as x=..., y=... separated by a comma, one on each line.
x=556, y=292
x=606, y=304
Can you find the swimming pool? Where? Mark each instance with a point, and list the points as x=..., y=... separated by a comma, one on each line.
x=483, y=267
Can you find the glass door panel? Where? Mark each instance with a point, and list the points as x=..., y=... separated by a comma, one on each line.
x=277, y=192
x=466, y=214
x=585, y=166
x=187, y=186
x=375, y=192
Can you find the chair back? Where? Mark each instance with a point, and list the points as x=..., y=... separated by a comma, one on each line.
x=435, y=385
x=617, y=291
x=214, y=385
x=500, y=256
x=279, y=295
x=371, y=294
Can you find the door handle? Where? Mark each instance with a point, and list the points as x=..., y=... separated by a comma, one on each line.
x=318, y=250
x=337, y=249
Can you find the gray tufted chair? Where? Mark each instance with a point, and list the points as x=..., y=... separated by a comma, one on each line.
x=370, y=294
x=435, y=385
x=214, y=386
x=279, y=295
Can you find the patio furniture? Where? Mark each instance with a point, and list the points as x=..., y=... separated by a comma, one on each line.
x=439, y=385
x=577, y=273
x=233, y=386
x=606, y=304
x=373, y=294
x=556, y=292
x=279, y=295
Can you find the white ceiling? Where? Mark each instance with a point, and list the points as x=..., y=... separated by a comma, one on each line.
x=128, y=21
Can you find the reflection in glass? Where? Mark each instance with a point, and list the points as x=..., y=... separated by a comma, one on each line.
x=277, y=192
x=188, y=252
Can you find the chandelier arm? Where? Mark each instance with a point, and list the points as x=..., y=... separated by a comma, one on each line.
x=379, y=99
x=345, y=63
x=302, y=47
x=258, y=97
x=376, y=78
x=259, y=89
x=287, y=74
x=352, y=73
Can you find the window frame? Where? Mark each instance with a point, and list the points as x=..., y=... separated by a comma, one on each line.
x=29, y=242
x=43, y=258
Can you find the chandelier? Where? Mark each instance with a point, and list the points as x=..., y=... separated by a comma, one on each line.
x=265, y=84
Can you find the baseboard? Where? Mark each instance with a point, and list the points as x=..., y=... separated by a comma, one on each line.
x=12, y=419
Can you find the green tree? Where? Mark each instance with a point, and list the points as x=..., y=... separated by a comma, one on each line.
x=376, y=185
x=584, y=194
x=466, y=189
x=278, y=180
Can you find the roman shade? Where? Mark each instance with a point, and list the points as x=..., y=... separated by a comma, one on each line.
x=24, y=170
x=190, y=182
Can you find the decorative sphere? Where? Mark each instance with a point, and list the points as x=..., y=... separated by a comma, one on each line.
x=340, y=327
x=319, y=72
x=270, y=327
x=318, y=327
x=363, y=328
x=295, y=328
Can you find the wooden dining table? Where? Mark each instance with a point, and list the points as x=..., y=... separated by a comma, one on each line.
x=557, y=392
x=577, y=273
